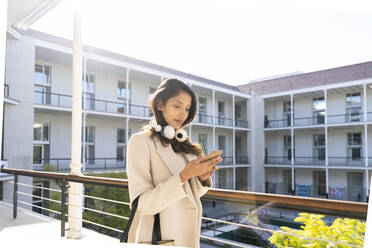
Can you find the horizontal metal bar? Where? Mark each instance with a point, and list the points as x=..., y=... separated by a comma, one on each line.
x=98, y=211
x=38, y=187
x=43, y=198
x=102, y=199
x=87, y=221
x=53, y=211
x=224, y=241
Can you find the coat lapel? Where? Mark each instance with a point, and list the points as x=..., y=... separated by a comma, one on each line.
x=166, y=153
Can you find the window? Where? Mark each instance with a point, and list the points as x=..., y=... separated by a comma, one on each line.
x=287, y=107
x=151, y=91
x=88, y=83
x=238, y=110
x=38, y=154
x=41, y=132
x=89, y=134
x=221, y=108
x=120, y=153
x=287, y=140
x=318, y=140
x=42, y=74
x=319, y=183
x=122, y=89
x=121, y=135
x=222, y=144
x=89, y=101
x=318, y=110
x=203, y=142
x=202, y=105
x=354, y=139
x=353, y=99
x=287, y=113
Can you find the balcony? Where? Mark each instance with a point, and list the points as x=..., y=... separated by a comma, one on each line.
x=309, y=121
x=204, y=119
x=241, y=160
x=346, y=161
x=277, y=123
x=345, y=118
x=309, y=161
x=277, y=160
x=226, y=161
x=91, y=164
x=222, y=121
x=369, y=116
x=241, y=123
x=65, y=101
x=230, y=218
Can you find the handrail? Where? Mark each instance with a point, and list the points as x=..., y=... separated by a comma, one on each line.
x=336, y=205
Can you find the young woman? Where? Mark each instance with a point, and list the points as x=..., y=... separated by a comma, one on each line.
x=166, y=171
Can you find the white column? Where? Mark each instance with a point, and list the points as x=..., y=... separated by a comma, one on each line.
x=213, y=107
x=292, y=144
x=190, y=127
x=214, y=148
x=292, y=114
x=233, y=109
x=234, y=169
x=365, y=101
x=75, y=214
x=3, y=30
x=84, y=114
x=127, y=131
x=84, y=137
x=326, y=159
x=127, y=91
x=325, y=107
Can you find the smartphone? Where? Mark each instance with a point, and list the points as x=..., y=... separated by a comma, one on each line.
x=211, y=155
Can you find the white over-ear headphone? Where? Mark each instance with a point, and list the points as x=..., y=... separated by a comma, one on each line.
x=169, y=132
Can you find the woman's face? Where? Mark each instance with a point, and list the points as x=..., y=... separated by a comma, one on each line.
x=176, y=109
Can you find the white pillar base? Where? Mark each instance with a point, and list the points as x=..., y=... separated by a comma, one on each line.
x=75, y=213
x=76, y=169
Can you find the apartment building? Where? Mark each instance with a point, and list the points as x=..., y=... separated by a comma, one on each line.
x=317, y=132
x=116, y=89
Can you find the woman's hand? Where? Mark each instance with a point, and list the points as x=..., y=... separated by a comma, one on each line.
x=200, y=169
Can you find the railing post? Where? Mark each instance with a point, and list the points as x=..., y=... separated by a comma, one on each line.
x=105, y=162
x=15, y=196
x=63, y=208
x=57, y=164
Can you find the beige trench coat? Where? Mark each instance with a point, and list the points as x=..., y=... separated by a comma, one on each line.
x=154, y=174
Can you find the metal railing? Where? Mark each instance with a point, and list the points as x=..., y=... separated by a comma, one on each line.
x=220, y=207
x=309, y=121
x=309, y=161
x=345, y=118
x=63, y=164
x=346, y=161
x=226, y=161
x=203, y=118
x=241, y=160
x=279, y=160
x=223, y=121
x=105, y=106
x=139, y=110
x=241, y=123
x=53, y=99
x=277, y=123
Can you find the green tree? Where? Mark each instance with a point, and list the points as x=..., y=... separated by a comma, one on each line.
x=346, y=231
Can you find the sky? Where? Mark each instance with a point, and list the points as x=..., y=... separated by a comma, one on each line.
x=230, y=41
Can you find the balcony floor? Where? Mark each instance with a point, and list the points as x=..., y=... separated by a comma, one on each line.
x=31, y=228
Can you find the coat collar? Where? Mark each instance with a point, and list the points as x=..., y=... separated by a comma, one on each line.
x=167, y=154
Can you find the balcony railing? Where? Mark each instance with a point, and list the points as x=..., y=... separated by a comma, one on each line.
x=279, y=160
x=105, y=106
x=309, y=121
x=346, y=161
x=203, y=118
x=277, y=123
x=241, y=160
x=236, y=218
x=53, y=99
x=309, y=161
x=63, y=164
x=345, y=118
x=218, y=120
x=241, y=123
x=226, y=161
x=139, y=110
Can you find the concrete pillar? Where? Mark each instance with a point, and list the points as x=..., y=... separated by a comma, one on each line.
x=75, y=214
x=3, y=30
x=127, y=91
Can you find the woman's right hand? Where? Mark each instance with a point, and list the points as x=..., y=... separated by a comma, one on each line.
x=197, y=168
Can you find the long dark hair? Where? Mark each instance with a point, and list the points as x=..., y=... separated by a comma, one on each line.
x=167, y=89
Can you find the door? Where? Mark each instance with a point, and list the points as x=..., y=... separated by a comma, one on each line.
x=355, y=186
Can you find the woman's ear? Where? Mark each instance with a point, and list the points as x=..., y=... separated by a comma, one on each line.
x=160, y=106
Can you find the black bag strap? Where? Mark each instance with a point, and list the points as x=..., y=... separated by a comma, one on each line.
x=124, y=236
x=156, y=233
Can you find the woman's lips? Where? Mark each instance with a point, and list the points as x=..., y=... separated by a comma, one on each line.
x=178, y=122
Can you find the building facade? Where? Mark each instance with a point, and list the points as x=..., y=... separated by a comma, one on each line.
x=308, y=134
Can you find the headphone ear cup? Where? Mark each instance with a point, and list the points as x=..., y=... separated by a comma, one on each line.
x=181, y=135
x=169, y=132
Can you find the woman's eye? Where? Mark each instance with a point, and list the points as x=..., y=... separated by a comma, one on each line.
x=177, y=106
